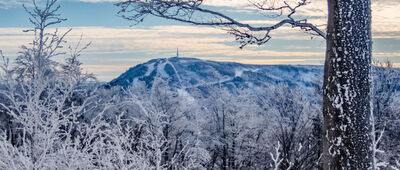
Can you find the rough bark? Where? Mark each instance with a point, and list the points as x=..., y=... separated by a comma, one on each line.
x=346, y=101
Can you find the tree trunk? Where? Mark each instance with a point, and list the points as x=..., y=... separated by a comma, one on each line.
x=346, y=101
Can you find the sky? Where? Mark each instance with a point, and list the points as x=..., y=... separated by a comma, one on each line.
x=118, y=44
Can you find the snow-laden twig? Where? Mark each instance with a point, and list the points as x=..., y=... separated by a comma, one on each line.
x=276, y=157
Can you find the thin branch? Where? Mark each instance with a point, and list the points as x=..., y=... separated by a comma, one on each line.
x=188, y=10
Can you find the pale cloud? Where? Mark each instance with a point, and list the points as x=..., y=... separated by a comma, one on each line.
x=5, y=4
x=204, y=42
x=255, y=53
x=227, y=3
x=385, y=17
x=396, y=64
x=102, y=72
x=94, y=1
x=268, y=22
x=300, y=47
x=383, y=54
x=151, y=42
x=192, y=40
x=105, y=68
x=218, y=3
x=11, y=3
x=300, y=61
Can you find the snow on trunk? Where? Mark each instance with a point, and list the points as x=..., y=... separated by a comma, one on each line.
x=346, y=103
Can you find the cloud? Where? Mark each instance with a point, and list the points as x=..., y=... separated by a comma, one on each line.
x=157, y=39
x=386, y=54
x=220, y=3
x=385, y=17
x=204, y=42
x=5, y=4
x=11, y=3
x=193, y=41
x=114, y=50
x=227, y=3
x=113, y=46
x=269, y=61
x=260, y=22
x=105, y=71
x=94, y=1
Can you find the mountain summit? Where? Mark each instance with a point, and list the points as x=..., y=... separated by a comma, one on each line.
x=191, y=72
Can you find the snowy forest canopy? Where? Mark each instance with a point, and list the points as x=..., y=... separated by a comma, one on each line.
x=54, y=116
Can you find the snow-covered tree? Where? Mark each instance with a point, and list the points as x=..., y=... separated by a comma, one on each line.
x=46, y=131
x=347, y=124
x=230, y=119
x=293, y=123
x=386, y=114
x=72, y=66
x=165, y=125
x=53, y=118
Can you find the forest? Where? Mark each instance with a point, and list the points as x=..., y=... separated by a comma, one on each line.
x=53, y=115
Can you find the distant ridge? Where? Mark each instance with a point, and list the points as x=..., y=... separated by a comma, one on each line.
x=193, y=73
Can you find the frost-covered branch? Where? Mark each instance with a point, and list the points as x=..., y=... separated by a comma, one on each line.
x=276, y=157
x=72, y=67
x=35, y=60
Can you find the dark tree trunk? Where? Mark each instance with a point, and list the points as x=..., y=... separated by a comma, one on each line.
x=346, y=102
x=165, y=154
x=225, y=147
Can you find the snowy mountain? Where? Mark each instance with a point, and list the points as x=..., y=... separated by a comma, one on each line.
x=195, y=73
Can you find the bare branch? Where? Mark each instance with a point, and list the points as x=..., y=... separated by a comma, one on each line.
x=189, y=11
x=36, y=60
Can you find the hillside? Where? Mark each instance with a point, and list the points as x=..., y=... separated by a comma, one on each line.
x=189, y=73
